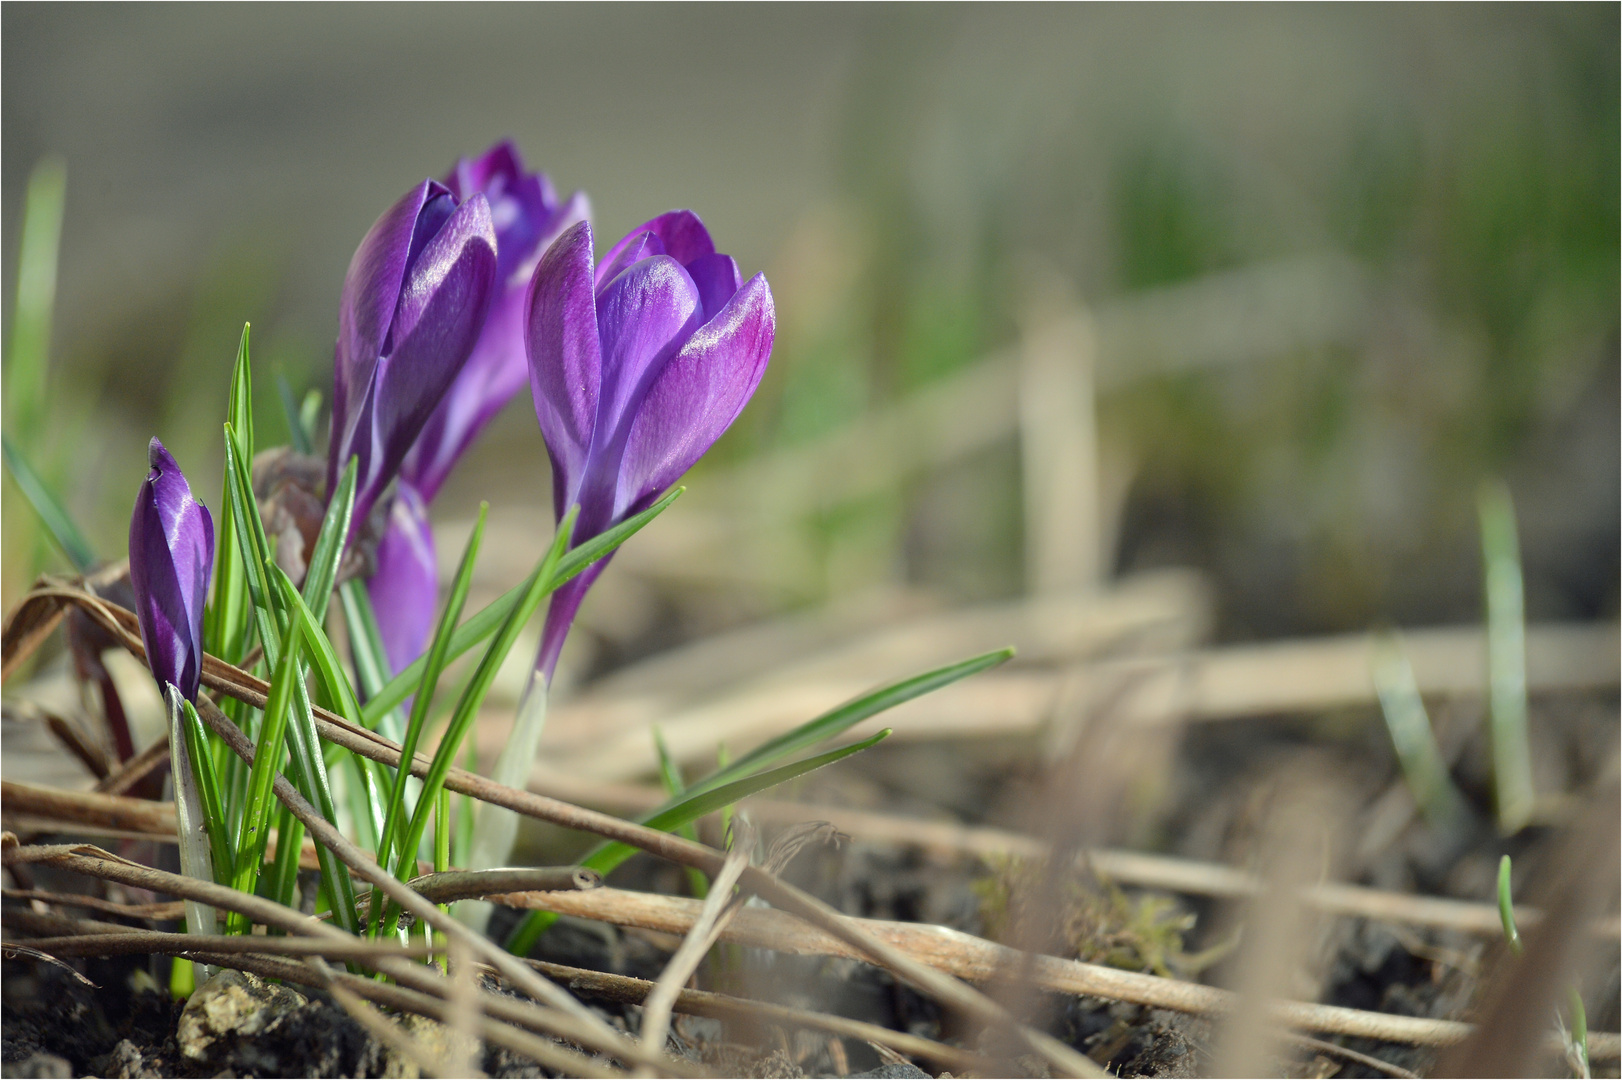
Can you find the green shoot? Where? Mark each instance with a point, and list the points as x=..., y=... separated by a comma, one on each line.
x=670, y=776
x=1577, y=1039
x=1414, y=740
x=545, y=578
x=69, y=540
x=436, y=657
x=208, y=786
x=298, y=436
x=1506, y=906
x=28, y=359
x=1506, y=660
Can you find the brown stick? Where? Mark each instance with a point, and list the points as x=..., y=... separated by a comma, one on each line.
x=1166, y=872
x=622, y=988
x=596, y=1032
x=136, y=769
x=168, y=910
x=976, y=959
x=151, y=941
x=89, y=808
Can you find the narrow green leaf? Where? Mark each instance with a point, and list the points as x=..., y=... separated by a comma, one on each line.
x=848, y=715
x=253, y=825
x=298, y=437
x=1414, y=739
x=462, y=842
x=228, y=628
x=250, y=529
x=69, y=540
x=28, y=359
x=329, y=544
x=1506, y=906
x=605, y=858
x=483, y=624
x=284, y=870
x=438, y=650
x=540, y=583
x=309, y=411
x=670, y=776
x=1513, y=789
x=208, y=787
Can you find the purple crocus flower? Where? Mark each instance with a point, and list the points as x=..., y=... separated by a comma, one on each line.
x=414, y=303
x=171, y=558
x=527, y=217
x=637, y=365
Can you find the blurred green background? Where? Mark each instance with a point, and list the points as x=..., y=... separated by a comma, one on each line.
x=1434, y=189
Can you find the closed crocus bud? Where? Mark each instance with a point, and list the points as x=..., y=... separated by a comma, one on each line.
x=171, y=558
x=636, y=367
x=527, y=216
x=414, y=303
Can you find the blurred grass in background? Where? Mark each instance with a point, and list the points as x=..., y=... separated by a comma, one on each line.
x=904, y=175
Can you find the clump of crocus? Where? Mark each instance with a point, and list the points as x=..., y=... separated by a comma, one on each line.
x=414, y=303
x=171, y=558
x=636, y=365
x=527, y=216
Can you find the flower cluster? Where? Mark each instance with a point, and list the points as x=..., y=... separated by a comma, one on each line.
x=460, y=292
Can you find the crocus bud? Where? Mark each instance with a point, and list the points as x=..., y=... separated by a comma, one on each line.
x=414, y=302
x=527, y=217
x=636, y=367
x=171, y=558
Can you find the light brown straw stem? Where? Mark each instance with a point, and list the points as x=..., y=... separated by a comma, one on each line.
x=716, y=912
x=976, y=959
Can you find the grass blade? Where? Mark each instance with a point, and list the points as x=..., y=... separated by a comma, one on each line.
x=670, y=777
x=1414, y=739
x=208, y=787
x=845, y=716
x=68, y=538
x=253, y=825
x=298, y=436
x=1506, y=660
x=227, y=627
x=28, y=358
x=1506, y=906
x=438, y=651
x=483, y=624
x=541, y=582
x=329, y=544
x=284, y=870
x=689, y=809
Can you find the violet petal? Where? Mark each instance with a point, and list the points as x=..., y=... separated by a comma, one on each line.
x=565, y=357
x=405, y=588
x=697, y=395
x=171, y=547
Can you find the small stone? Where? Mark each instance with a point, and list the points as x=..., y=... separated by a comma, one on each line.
x=231, y=1005
x=41, y=1065
x=898, y=1071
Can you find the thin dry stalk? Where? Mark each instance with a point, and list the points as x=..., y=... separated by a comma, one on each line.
x=135, y=770
x=717, y=911
x=545, y=1052
x=464, y=1017
x=622, y=988
x=137, y=942
x=976, y=959
x=11, y=950
x=593, y=1031
x=166, y=910
x=1166, y=872
x=1307, y=1042
x=386, y=1031
x=89, y=808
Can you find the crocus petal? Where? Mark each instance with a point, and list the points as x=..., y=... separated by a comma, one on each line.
x=565, y=357
x=697, y=395
x=643, y=316
x=370, y=296
x=171, y=558
x=405, y=588
x=717, y=278
x=494, y=372
x=627, y=253
x=680, y=232
x=443, y=305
